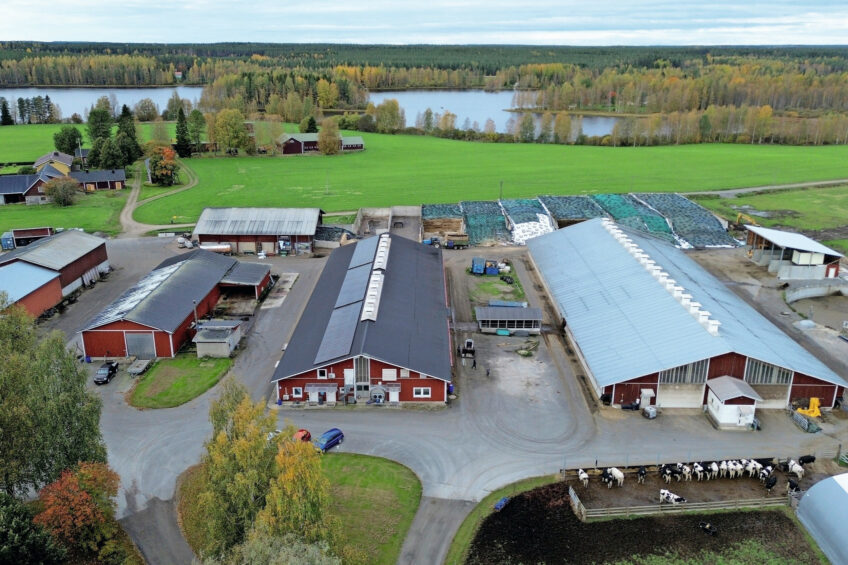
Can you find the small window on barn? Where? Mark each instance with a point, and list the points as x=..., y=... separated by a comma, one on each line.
x=322, y=373
x=759, y=373
x=693, y=373
x=389, y=374
x=404, y=373
x=421, y=392
x=297, y=392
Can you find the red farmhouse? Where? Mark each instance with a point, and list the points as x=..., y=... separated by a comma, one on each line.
x=157, y=316
x=375, y=328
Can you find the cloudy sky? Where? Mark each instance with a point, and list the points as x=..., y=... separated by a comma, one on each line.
x=563, y=22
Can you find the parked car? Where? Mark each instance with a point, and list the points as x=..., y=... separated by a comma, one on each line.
x=329, y=439
x=105, y=373
x=302, y=435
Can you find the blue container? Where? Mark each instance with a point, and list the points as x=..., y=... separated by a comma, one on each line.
x=450, y=388
x=88, y=358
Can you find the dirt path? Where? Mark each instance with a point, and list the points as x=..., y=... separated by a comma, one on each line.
x=734, y=192
x=132, y=228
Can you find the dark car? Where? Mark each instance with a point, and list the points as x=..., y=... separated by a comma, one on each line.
x=105, y=373
x=329, y=439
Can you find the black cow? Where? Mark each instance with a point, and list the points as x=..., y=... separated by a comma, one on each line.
x=640, y=477
x=770, y=483
x=806, y=459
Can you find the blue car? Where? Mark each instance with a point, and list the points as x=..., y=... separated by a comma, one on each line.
x=329, y=439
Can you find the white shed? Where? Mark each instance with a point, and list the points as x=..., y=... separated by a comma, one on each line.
x=214, y=340
x=731, y=403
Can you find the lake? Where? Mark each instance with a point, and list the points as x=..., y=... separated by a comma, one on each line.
x=476, y=106
x=79, y=100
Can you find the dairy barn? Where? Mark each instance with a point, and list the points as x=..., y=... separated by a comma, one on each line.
x=375, y=329
x=649, y=323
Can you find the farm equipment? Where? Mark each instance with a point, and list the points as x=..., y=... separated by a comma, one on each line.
x=467, y=349
x=813, y=411
x=478, y=266
x=740, y=216
x=499, y=505
x=456, y=241
x=434, y=241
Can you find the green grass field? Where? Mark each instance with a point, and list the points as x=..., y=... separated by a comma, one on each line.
x=807, y=209
x=171, y=382
x=414, y=170
x=100, y=211
x=375, y=500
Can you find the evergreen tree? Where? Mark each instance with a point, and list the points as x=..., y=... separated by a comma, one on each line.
x=311, y=125
x=111, y=156
x=129, y=146
x=67, y=140
x=196, y=123
x=183, y=146
x=99, y=124
x=5, y=115
x=94, y=153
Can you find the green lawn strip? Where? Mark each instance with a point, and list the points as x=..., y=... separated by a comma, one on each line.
x=93, y=212
x=468, y=529
x=401, y=170
x=376, y=500
x=149, y=190
x=189, y=486
x=171, y=382
x=341, y=219
x=492, y=288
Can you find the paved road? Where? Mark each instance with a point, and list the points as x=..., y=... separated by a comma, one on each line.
x=529, y=418
x=734, y=192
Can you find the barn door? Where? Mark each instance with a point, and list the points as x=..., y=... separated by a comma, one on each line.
x=141, y=345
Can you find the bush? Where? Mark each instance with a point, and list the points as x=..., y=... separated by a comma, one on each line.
x=27, y=170
x=61, y=190
x=22, y=541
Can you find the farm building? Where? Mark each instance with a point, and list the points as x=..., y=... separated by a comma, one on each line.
x=249, y=230
x=300, y=143
x=35, y=288
x=82, y=155
x=649, y=323
x=112, y=179
x=824, y=512
x=159, y=314
x=25, y=188
x=375, y=329
x=79, y=258
x=490, y=319
x=791, y=255
x=353, y=143
x=217, y=338
x=62, y=162
x=24, y=236
x=731, y=402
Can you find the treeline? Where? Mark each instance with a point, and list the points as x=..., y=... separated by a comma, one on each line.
x=35, y=110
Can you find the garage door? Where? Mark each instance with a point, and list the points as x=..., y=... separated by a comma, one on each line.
x=247, y=247
x=141, y=345
x=268, y=247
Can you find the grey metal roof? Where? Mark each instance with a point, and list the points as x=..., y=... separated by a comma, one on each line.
x=627, y=325
x=824, y=512
x=19, y=279
x=54, y=156
x=50, y=172
x=353, y=140
x=302, y=137
x=164, y=298
x=247, y=273
x=507, y=313
x=16, y=184
x=791, y=240
x=81, y=152
x=411, y=328
x=727, y=387
x=99, y=176
x=257, y=221
x=212, y=336
x=57, y=251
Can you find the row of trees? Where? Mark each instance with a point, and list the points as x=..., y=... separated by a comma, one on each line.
x=260, y=490
x=51, y=444
x=36, y=110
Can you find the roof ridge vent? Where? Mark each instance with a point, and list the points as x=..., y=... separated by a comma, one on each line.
x=712, y=326
x=372, y=297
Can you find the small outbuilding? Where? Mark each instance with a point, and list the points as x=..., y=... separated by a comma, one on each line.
x=731, y=403
x=299, y=143
x=217, y=338
x=824, y=512
x=792, y=256
x=490, y=319
x=35, y=288
x=107, y=179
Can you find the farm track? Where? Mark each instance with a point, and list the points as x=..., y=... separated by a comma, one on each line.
x=132, y=228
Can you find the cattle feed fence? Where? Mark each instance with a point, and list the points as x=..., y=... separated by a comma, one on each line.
x=589, y=514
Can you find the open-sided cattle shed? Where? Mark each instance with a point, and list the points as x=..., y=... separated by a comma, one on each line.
x=250, y=230
x=791, y=255
x=490, y=319
x=642, y=316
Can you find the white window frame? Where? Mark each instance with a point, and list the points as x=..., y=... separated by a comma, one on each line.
x=418, y=392
x=389, y=374
x=693, y=373
x=404, y=373
x=761, y=373
x=297, y=392
x=322, y=373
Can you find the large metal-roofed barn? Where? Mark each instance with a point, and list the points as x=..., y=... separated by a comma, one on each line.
x=35, y=288
x=791, y=255
x=648, y=322
x=824, y=512
x=250, y=230
x=157, y=316
x=375, y=328
x=78, y=257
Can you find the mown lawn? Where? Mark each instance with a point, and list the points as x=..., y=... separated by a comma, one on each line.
x=99, y=211
x=150, y=190
x=375, y=499
x=808, y=209
x=413, y=170
x=171, y=382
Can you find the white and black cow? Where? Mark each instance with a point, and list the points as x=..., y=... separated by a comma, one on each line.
x=640, y=476
x=616, y=475
x=699, y=472
x=796, y=469
x=770, y=483
x=765, y=473
x=583, y=477
x=670, y=497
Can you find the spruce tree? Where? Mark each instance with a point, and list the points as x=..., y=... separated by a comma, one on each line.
x=183, y=142
x=5, y=115
x=126, y=126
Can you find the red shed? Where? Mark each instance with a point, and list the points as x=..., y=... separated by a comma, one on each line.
x=35, y=288
x=299, y=143
x=157, y=316
x=375, y=329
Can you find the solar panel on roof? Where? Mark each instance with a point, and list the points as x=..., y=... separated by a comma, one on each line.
x=338, y=336
x=353, y=287
x=364, y=252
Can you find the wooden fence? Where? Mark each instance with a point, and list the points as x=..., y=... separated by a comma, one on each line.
x=589, y=514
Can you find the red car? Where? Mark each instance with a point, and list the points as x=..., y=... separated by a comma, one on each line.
x=302, y=435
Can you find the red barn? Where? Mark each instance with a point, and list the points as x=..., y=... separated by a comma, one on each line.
x=78, y=257
x=35, y=288
x=157, y=316
x=376, y=328
x=299, y=143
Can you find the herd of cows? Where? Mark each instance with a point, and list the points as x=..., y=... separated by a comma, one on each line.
x=763, y=469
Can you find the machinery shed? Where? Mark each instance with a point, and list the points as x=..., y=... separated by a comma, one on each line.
x=642, y=316
x=35, y=288
x=490, y=319
x=283, y=231
x=791, y=256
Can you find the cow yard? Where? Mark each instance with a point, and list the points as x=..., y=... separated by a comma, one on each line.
x=539, y=526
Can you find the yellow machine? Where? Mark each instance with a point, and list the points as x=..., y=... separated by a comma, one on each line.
x=748, y=219
x=813, y=411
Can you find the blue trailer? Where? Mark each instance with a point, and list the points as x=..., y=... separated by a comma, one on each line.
x=7, y=241
x=478, y=266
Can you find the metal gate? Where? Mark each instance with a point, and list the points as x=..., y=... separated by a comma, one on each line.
x=141, y=345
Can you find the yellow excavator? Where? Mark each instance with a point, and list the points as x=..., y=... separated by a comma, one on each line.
x=748, y=220
x=814, y=410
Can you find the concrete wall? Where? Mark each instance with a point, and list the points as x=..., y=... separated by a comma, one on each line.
x=414, y=211
x=824, y=288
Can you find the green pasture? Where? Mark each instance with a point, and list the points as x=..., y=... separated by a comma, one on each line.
x=413, y=170
x=171, y=382
x=26, y=143
x=802, y=209
x=99, y=211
